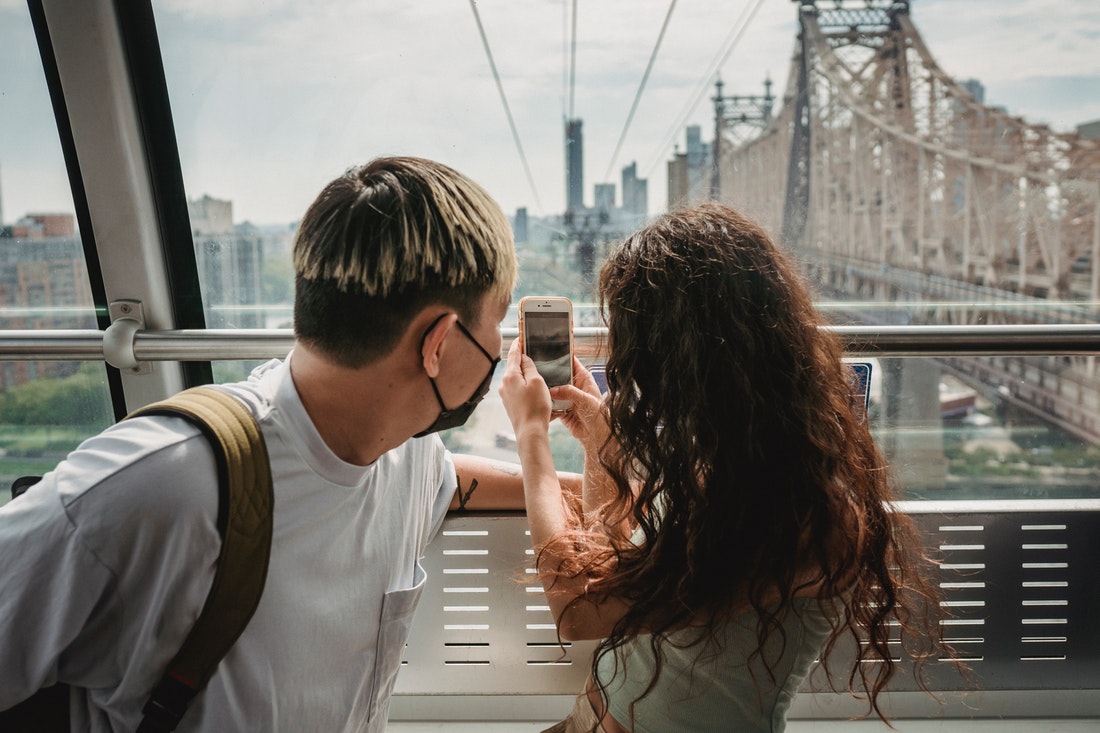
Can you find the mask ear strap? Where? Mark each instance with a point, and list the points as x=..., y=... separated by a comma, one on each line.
x=438, y=397
x=431, y=380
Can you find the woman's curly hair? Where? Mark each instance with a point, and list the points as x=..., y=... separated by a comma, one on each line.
x=736, y=450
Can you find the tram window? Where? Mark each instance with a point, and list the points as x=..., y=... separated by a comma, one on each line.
x=46, y=407
x=270, y=105
x=973, y=428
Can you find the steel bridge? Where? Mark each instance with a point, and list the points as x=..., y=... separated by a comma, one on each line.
x=898, y=190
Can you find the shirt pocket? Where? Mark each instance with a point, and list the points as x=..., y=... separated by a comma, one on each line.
x=393, y=631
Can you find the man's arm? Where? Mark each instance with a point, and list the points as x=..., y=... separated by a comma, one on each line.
x=487, y=485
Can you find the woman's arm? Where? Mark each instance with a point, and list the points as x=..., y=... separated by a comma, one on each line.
x=548, y=508
x=527, y=401
x=588, y=423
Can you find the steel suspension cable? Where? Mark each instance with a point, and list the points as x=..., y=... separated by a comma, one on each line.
x=736, y=33
x=504, y=101
x=641, y=89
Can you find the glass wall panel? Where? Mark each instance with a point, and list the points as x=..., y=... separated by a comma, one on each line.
x=46, y=407
x=987, y=427
x=941, y=181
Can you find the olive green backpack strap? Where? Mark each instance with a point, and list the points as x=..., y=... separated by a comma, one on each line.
x=244, y=521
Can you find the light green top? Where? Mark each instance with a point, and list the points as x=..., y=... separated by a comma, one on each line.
x=715, y=687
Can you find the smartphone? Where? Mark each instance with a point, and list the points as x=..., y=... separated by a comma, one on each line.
x=546, y=327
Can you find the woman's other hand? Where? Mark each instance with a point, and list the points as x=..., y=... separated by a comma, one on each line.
x=587, y=419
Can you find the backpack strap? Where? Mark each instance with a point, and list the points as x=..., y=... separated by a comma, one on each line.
x=245, y=507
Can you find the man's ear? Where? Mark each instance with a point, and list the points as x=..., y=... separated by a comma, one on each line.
x=431, y=353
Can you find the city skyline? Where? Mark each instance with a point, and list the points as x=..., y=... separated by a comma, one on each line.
x=265, y=119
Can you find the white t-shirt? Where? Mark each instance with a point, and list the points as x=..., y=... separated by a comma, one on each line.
x=105, y=565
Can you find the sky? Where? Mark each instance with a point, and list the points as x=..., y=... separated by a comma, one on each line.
x=271, y=100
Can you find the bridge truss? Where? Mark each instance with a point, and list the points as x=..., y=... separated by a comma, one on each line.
x=894, y=184
x=879, y=156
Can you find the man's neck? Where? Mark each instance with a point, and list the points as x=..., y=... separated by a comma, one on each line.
x=360, y=413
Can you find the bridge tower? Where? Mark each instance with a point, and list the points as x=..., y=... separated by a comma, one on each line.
x=737, y=120
x=893, y=183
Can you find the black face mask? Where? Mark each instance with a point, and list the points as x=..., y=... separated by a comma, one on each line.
x=458, y=416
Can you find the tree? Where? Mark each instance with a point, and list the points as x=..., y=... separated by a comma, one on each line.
x=80, y=399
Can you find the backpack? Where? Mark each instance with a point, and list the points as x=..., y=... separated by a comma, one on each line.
x=245, y=503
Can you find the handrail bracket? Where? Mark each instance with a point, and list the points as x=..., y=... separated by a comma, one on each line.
x=127, y=318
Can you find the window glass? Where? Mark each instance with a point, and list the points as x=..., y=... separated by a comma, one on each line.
x=46, y=407
x=988, y=428
x=934, y=175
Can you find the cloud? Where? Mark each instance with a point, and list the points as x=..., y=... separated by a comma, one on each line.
x=1060, y=101
x=272, y=100
x=335, y=84
x=999, y=41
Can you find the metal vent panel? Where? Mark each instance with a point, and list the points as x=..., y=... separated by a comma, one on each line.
x=1020, y=588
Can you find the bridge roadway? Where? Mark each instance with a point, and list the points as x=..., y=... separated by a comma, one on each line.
x=1063, y=390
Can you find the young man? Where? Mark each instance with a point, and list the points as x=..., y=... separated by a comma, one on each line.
x=404, y=270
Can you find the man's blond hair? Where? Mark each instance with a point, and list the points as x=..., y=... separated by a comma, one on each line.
x=386, y=239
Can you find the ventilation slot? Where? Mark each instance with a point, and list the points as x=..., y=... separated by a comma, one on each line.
x=1044, y=605
x=965, y=601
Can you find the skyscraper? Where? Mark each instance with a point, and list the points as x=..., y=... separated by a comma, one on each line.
x=605, y=198
x=519, y=225
x=976, y=88
x=678, y=181
x=574, y=166
x=635, y=192
x=230, y=261
x=698, y=165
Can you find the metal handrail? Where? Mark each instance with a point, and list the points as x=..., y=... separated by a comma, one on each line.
x=236, y=344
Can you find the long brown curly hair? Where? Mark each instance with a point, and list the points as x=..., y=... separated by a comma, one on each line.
x=736, y=450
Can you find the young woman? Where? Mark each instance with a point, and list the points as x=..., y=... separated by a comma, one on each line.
x=734, y=521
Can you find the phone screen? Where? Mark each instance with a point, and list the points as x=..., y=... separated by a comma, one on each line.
x=547, y=343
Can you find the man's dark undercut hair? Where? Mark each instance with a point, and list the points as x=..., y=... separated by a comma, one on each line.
x=384, y=241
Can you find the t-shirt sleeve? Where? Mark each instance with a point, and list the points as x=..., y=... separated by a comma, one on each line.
x=447, y=486
x=90, y=557
x=49, y=586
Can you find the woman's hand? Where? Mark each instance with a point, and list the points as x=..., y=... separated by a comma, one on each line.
x=587, y=419
x=525, y=396
x=527, y=401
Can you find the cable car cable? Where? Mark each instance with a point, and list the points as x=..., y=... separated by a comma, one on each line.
x=504, y=101
x=641, y=88
x=738, y=30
